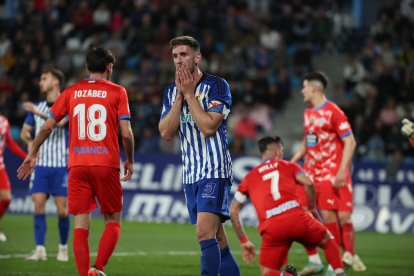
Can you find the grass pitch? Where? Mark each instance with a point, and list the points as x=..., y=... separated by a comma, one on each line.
x=147, y=249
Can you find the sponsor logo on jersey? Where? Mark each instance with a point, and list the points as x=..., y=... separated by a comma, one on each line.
x=185, y=118
x=90, y=150
x=311, y=139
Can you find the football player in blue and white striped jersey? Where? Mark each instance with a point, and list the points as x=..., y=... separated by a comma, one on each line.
x=50, y=175
x=196, y=106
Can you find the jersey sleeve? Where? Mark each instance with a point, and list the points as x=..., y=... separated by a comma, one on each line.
x=341, y=124
x=221, y=92
x=296, y=168
x=13, y=146
x=123, y=107
x=166, y=104
x=60, y=107
x=29, y=120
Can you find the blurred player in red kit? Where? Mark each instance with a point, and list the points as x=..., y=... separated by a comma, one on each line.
x=6, y=140
x=96, y=108
x=271, y=187
x=328, y=147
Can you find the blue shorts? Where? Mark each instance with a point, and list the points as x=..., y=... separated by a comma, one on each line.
x=208, y=195
x=49, y=180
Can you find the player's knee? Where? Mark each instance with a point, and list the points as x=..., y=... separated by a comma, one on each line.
x=327, y=237
x=344, y=217
x=62, y=213
x=205, y=234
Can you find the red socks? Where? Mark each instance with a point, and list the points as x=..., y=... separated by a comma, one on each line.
x=4, y=205
x=81, y=250
x=333, y=254
x=348, y=237
x=334, y=229
x=107, y=244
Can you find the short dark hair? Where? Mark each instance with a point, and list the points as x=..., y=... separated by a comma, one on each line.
x=98, y=58
x=56, y=73
x=318, y=76
x=185, y=40
x=265, y=141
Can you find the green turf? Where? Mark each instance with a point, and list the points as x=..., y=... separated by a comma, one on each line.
x=170, y=249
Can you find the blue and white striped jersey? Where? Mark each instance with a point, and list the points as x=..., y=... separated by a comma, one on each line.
x=202, y=157
x=54, y=151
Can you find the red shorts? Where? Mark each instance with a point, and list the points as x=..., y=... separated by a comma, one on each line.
x=281, y=230
x=4, y=180
x=85, y=183
x=346, y=201
x=327, y=197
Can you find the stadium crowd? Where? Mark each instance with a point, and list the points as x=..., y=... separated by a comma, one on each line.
x=263, y=48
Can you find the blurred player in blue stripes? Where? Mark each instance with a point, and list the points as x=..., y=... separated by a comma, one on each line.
x=196, y=106
x=50, y=175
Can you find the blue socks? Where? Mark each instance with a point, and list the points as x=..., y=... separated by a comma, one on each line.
x=210, y=257
x=229, y=266
x=40, y=228
x=63, y=225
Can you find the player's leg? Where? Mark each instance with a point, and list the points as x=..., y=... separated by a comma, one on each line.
x=40, y=227
x=347, y=228
x=39, y=189
x=81, y=202
x=229, y=266
x=59, y=188
x=108, y=190
x=212, y=206
x=206, y=229
x=328, y=203
x=316, y=234
x=348, y=238
x=272, y=259
x=63, y=226
x=80, y=242
x=314, y=264
x=5, y=198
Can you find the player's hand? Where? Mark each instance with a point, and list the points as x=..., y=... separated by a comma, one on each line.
x=128, y=170
x=29, y=107
x=248, y=252
x=178, y=83
x=340, y=179
x=407, y=128
x=187, y=81
x=26, y=168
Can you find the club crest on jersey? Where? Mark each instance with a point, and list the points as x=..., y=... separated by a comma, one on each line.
x=200, y=97
x=209, y=190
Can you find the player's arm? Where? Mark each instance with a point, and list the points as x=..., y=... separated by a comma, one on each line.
x=347, y=153
x=169, y=125
x=27, y=167
x=26, y=135
x=207, y=122
x=248, y=250
x=304, y=180
x=300, y=153
x=31, y=107
x=128, y=144
x=13, y=146
x=63, y=122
